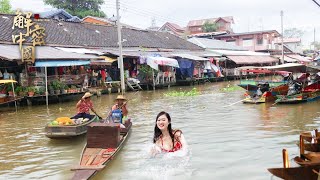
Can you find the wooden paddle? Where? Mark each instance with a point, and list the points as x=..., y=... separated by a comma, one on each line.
x=234, y=103
x=108, y=114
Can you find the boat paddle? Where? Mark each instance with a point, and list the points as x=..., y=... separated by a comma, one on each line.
x=234, y=103
x=108, y=114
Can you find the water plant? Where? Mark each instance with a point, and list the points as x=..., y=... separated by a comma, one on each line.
x=193, y=92
x=230, y=88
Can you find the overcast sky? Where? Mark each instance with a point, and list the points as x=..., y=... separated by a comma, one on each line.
x=249, y=15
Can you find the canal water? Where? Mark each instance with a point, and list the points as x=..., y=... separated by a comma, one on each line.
x=238, y=141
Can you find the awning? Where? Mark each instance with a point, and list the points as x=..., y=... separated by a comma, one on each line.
x=106, y=62
x=239, y=53
x=291, y=67
x=191, y=57
x=253, y=59
x=60, y=63
x=7, y=81
x=299, y=58
x=153, y=62
x=287, y=59
x=12, y=52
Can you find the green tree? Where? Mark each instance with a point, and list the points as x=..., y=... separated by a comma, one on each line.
x=5, y=7
x=80, y=8
x=293, y=33
x=209, y=27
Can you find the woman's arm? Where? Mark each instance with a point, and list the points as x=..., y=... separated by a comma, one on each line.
x=78, y=104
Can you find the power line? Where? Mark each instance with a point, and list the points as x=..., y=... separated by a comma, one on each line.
x=318, y=3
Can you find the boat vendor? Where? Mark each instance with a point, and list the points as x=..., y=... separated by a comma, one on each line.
x=119, y=111
x=84, y=105
x=165, y=138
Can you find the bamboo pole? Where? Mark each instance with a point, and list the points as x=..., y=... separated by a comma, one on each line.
x=285, y=158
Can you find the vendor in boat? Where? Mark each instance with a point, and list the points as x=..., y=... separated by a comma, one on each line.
x=84, y=105
x=165, y=138
x=119, y=111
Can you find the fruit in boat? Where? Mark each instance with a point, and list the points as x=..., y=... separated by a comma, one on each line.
x=54, y=123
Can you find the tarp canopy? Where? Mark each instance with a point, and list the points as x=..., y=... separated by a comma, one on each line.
x=253, y=59
x=153, y=62
x=60, y=63
x=7, y=81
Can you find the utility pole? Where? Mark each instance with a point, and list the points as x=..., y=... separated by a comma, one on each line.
x=314, y=40
x=120, y=59
x=282, y=54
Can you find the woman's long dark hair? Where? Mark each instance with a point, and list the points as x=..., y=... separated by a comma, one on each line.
x=157, y=131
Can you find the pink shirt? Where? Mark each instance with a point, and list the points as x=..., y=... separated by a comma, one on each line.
x=85, y=107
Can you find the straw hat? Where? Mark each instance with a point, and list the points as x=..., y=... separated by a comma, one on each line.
x=86, y=95
x=120, y=97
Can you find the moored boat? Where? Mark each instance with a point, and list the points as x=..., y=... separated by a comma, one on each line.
x=309, y=162
x=67, y=131
x=104, y=141
x=309, y=93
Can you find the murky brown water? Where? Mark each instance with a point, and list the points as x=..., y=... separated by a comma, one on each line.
x=235, y=142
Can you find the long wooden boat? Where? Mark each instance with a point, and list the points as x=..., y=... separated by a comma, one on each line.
x=100, y=148
x=268, y=96
x=309, y=93
x=63, y=131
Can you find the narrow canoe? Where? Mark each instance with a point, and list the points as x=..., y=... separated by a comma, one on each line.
x=69, y=130
x=95, y=159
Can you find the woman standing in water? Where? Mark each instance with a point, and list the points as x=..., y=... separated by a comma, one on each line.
x=165, y=138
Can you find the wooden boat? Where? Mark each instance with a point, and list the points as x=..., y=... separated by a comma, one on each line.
x=309, y=93
x=309, y=162
x=104, y=141
x=268, y=96
x=297, y=173
x=63, y=131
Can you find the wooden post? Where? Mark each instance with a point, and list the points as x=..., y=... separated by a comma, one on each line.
x=301, y=145
x=285, y=158
x=154, y=86
x=316, y=139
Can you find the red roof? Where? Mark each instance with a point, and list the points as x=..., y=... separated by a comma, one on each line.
x=175, y=28
x=200, y=22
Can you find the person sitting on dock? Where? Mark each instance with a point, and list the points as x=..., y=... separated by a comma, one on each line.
x=84, y=105
x=165, y=138
x=119, y=111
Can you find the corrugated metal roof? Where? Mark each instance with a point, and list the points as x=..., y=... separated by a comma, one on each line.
x=12, y=52
x=252, y=59
x=239, y=53
x=214, y=44
x=67, y=34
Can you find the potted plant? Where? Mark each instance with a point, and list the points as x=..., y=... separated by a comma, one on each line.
x=30, y=91
x=51, y=90
x=42, y=90
x=56, y=86
x=64, y=88
x=19, y=90
x=9, y=90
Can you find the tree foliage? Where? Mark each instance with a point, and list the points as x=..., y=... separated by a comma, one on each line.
x=80, y=8
x=293, y=33
x=209, y=27
x=5, y=7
